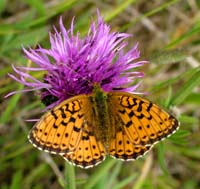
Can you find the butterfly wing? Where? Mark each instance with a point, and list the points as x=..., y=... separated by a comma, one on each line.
x=59, y=130
x=65, y=131
x=139, y=124
x=89, y=151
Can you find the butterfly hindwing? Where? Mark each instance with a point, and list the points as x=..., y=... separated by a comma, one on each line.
x=90, y=150
x=121, y=147
x=88, y=153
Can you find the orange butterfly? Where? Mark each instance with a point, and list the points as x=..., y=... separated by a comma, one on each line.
x=86, y=128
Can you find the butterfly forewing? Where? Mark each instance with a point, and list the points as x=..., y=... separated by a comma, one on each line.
x=140, y=124
x=59, y=129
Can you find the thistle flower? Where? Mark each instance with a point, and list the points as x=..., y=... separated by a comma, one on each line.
x=73, y=64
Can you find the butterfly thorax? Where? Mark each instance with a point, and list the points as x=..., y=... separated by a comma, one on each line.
x=101, y=115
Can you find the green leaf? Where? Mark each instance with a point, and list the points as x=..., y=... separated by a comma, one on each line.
x=168, y=57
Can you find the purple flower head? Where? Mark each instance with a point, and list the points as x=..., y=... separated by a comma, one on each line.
x=74, y=64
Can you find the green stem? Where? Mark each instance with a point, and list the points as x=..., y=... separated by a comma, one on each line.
x=70, y=176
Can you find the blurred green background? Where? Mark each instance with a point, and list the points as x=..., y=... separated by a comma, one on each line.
x=168, y=33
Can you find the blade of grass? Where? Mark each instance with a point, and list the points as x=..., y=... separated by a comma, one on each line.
x=11, y=105
x=35, y=174
x=16, y=180
x=28, y=38
x=188, y=119
x=70, y=176
x=191, y=33
x=53, y=11
x=113, y=176
x=124, y=182
x=180, y=137
x=187, y=88
x=2, y=5
x=169, y=96
x=17, y=152
x=117, y=10
x=148, y=14
x=38, y=5
x=99, y=173
x=170, y=81
x=193, y=98
x=102, y=181
x=161, y=158
x=145, y=170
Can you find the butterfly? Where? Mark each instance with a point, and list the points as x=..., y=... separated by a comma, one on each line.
x=87, y=127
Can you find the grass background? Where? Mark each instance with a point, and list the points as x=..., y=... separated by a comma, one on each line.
x=168, y=36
